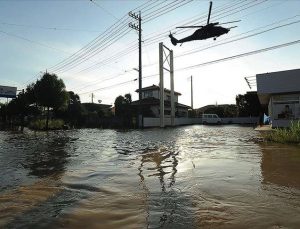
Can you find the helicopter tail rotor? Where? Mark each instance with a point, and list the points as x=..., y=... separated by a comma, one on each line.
x=174, y=41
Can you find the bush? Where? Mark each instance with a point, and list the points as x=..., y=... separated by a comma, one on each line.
x=286, y=135
x=40, y=124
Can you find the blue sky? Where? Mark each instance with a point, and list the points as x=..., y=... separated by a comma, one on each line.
x=28, y=45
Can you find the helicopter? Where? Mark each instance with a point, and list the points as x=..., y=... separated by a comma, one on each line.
x=210, y=30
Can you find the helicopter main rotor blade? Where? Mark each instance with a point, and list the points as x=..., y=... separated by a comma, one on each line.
x=229, y=22
x=191, y=26
x=232, y=27
x=209, y=11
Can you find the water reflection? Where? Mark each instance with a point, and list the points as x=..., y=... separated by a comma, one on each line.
x=190, y=177
x=48, y=158
x=44, y=156
x=163, y=161
x=168, y=206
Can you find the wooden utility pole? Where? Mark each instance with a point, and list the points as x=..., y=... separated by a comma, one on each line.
x=138, y=28
x=192, y=105
x=161, y=86
x=92, y=97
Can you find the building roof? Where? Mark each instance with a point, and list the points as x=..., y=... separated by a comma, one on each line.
x=96, y=106
x=155, y=87
x=155, y=101
x=281, y=82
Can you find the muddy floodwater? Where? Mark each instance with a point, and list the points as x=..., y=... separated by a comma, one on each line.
x=186, y=177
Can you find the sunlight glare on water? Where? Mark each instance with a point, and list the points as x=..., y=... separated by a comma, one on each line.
x=186, y=177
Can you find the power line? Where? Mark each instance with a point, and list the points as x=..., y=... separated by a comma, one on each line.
x=84, y=57
x=105, y=10
x=49, y=28
x=83, y=52
x=167, y=6
x=208, y=63
x=108, y=87
x=100, y=62
x=238, y=39
x=227, y=11
x=240, y=55
x=154, y=41
x=89, y=46
x=220, y=44
x=110, y=77
x=124, y=53
x=230, y=41
x=32, y=41
x=74, y=58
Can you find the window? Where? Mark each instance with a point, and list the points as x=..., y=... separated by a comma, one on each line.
x=148, y=94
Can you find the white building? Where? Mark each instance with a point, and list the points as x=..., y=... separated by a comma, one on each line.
x=280, y=91
x=151, y=100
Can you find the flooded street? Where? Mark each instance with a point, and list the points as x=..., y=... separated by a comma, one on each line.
x=186, y=177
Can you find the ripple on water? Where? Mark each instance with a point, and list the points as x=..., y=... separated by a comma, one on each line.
x=187, y=177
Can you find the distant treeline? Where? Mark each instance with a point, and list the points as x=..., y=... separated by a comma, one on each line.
x=46, y=104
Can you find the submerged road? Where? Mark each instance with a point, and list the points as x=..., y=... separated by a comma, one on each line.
x=186, y=177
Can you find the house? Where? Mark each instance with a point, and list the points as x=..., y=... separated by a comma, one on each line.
x=103, y=109
x=151, y=102
x=280, y=92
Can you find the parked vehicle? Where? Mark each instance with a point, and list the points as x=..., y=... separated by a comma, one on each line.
x=211, y=119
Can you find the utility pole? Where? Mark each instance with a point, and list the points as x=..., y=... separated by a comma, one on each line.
x=192, y=104
x=138, y=27
x=92, y=97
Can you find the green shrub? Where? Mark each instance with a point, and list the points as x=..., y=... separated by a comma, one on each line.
x=285, y=135
x=40, y=124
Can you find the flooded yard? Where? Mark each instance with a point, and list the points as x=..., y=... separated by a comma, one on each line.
x=185, y=177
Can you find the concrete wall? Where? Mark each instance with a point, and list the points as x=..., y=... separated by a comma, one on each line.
x=281, y=123
x=240, y=120
x=278, y=82
x=155, y=122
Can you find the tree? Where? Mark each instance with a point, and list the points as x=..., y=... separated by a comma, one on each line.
x=127, y=98
x=50, y=92
x=119, y=105
x=74, y=110
x=30, y=94
x=215, y=110
x=123, y=109
x=248, y=104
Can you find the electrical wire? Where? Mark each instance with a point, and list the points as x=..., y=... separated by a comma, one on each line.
x=82, y=58
x=241, y=55
x=56, y=28
x=33, y=42
x=238, y=39
x=224, y=8
x=73, y=60
x=131, y=50
x=89, y=46
x=128, y=53
x=207, y=63
x=105, y=10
